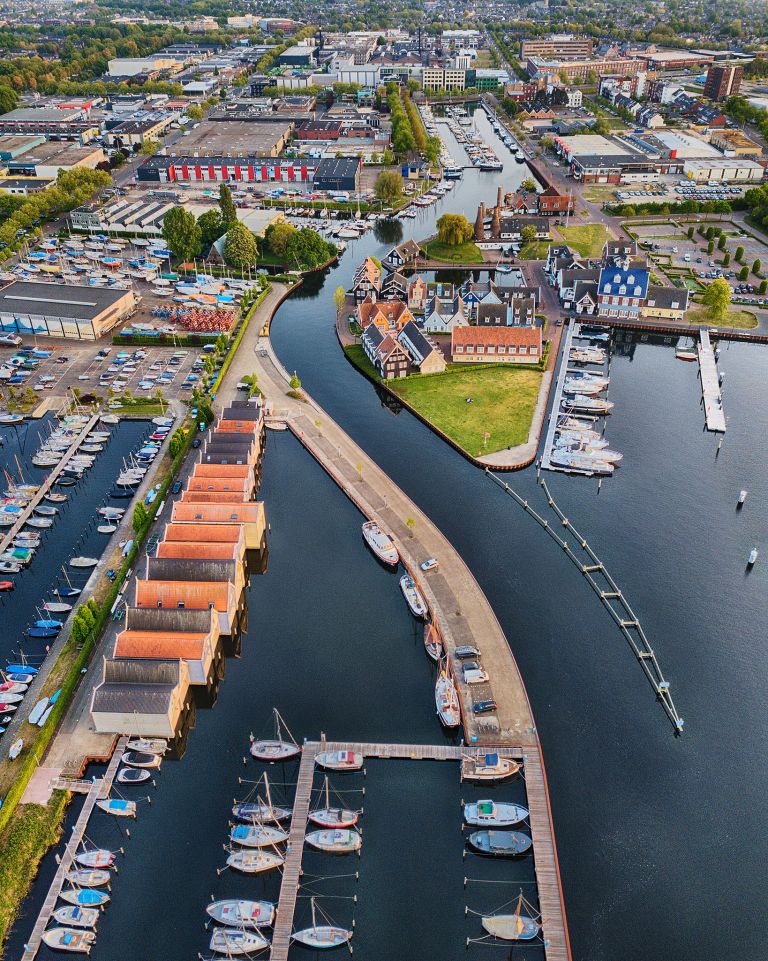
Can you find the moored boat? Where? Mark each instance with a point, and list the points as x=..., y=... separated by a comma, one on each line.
x=512, y=927
x=381, y=544
x=340, y=760
x=487, y=768
x=69, y=939
x=118, y=807
x=433, y=644
x=87, y=897
x=96, y=858
x=279, y=748
x=242, y=914
x=88, y=878
x=250, y=811
x=76, y=916
x=257, y=835
x=254, y=862
x=333, y=817
x=322, y=936
x=141, y=759
x=83, y=562
x=232, y=942
x=447, y=700
x=498, y=814
x=500, y=844
x=335, y=841
x=132, y=775
x=148, y=745
x=413, y=596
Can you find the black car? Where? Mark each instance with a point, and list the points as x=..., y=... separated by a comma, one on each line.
x=196, y=442
x=483, y=707
x=176, y=487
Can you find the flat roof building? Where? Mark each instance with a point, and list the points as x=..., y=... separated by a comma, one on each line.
x=62, y=310
x=238, y=138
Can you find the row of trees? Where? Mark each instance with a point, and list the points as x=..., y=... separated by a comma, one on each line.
x=403, y=139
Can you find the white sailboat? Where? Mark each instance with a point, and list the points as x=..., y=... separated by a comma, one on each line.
x=321, y=936
x=447, y=700
x=335, y=841
x=278, y=748
x=333, y=817
x=233, y=942
x=238, y=913
x=254, y=862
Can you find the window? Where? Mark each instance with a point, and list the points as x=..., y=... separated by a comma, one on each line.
x=480, y=349
x=459, y=349
x=502, y=349
x=180, y=605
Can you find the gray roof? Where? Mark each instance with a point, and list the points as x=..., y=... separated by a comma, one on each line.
x=668, y=298
x=168, y=620
x=58, y=300
x=495, y=314
x=137, y=686
x=190, y=569
x=421, y=344
x=230, y=456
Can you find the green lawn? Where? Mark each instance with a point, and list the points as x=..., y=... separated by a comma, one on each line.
x=587, y=240
x=357, y=355
x=741, y=319
x=468, y=253
x=535, y=250
x=503, y=402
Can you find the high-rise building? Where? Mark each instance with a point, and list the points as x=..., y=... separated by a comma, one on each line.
x=562, y=46
x=723, y=80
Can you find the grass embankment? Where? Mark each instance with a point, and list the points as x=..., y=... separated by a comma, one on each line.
x=503, y=402
x=357, y=355
x=31, y=833
x=740, y=319
x=535, y=250
x=587, y=240
x=468, y=253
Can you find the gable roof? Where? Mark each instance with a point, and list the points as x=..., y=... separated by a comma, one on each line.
x=505, y=336
x=667, y=298
x=616, y=281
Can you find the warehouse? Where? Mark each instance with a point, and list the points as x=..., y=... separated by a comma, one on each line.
x=338, y=173
x=48, y=158
x=62, y=310
x=238, y=137
x=724, y=168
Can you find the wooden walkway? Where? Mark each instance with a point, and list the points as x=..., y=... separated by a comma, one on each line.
x=710, y=386
x=289, y=887
x=98, y=789
x=412, y=752
x=48, y=484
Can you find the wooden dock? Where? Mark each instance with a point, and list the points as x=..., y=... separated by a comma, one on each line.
x=48, y=484
x=98, y=790
x=710, y=386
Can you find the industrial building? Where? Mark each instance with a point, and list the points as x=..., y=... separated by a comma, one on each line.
x=62, y=310
x=46, y=158
x=562, y=46
x=238, y=137
x=50, y=124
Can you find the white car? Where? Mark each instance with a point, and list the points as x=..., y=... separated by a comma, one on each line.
x=475, y=676
x=84, y=377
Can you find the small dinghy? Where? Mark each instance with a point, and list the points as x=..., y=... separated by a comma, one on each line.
x=16, y=749
x=6, y=585
x=232, y=942
x=249, y=811
x=69, y=939
x=513, y=927
x=118, y=807
x=279, y=748
x=413, y=596
x=6, y=708
x=39, y=522
x=13, y=687
x=487, y=768
x=321, y=936
x=340, y=760
x=338, y=841
x=381, y=544
x=500, y=844
x=45, y=510
x=38, y=710
x=8, y=698
x=89, y=879
x=85, y=897
x=257, y=835
x=49, y=623
x=77, y=917
x=254, y=862
x=447, y=701
x=148, y=745
x=141, y=759
x=331, y=817
x=132, y=775
x=84, y=562
x=54, y=607
x=21, y=669
x=106, y=528
x=67, y=591
x=242, y=914
x=20, y=678
x=497, y=814
x=96, y=858
x=55, y=498
x=42, y=632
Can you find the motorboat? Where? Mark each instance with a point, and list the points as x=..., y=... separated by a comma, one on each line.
x=590, y=405
x=257, y=835
x=381, y=544
x=447, y=700
x=88, y=879
x=321, y=936
x=141, y=759
x=753, y=555
x=413, y=596
x=512, y=927
x=335, y=841
x=118, y=807
x=242, y=914
x=433, y=643
x=742, y=498
x=333, y=817
x=45, y=510
x=279, y=748
x=488, y=768
x=96, y=858
x=685, y=353
x=86, y=897
x=500, y=844
x=8, y=567
x=69, y=939
x=76, y=916
x=256, y=811
x=132, y=775
x=148, y=745
x=585, y=463
x=340, y=760
x=84, y=562
x=233, y=942
x=254, y=862
x=498, y=814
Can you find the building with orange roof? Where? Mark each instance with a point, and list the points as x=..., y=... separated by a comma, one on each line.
x=189, y=635
x=249, y=515
x=194, y=569
x=387, y=315
x=213, y=497
x=220, y=596
x=496, y=345
x=202, y=550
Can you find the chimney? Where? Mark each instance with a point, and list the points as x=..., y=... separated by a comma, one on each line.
x=499, y=199
x=480, y=223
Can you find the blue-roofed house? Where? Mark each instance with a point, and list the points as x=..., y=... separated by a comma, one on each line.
x=621, y=292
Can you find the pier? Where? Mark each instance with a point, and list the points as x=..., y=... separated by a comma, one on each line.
x=710, y=386
x=98, y=790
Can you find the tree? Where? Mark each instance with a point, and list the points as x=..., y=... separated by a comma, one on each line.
x=294, y=382
x=710, y=232
x=195, y=112
x=307, y=249
x=277, y=236
x=744, y=272
x=240, y=247
x=454, y=229
x=388, y=158
x=710, y=246
x=722, y=242
x=756, y=267
x=718, y=297
x=140, y=517
x=339, y=298
x=227, y=207
x=739, y=253
x=211, y=226
x=182, y=233
x=690, y=233
x=726, y=259
x=529, y=185
x=9, y=99
x=389, y=187
x=150, y=147
x=528, y=234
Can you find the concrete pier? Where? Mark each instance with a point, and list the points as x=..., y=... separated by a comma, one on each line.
x=710, y=386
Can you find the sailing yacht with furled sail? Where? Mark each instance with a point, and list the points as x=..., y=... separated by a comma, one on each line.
x=447, y=700
x=321, y=936
x=333, y=817
x=279, y=748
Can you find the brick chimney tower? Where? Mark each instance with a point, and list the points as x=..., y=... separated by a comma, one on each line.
x=480, y=223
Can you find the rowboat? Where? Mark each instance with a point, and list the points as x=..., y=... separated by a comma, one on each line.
x=501, y=844
x=76, y=916
x=106, y=528
x=118, y=807
x=278, y=748
x=487, y=767
x=233, y=942
x=340, y=760
x=16, y=748
x=331, y=817
x=512, y=927
x=8, y=698
x=257, y=835
x=69, y=939
x=338, y=841
x=495, y=813
x=84, y=562
x=381, y=544
x=413, y=596
x=88, y=878
x=447, y=701
x=132, y=775
x=67, y=591
x=38, y=710
x=85, y=897
x=242, y=914
x=96, y=858
x=55, y=498
x=55, y=607
x=321, y=936
x=148, y=745
x=254, y=862
x=141, y=759
x=41, y=523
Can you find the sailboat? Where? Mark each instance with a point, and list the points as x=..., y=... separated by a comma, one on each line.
x=331, y=817
x=254, y=862
x=96, y=858
x=257, y=835
x=232, y=942
x=242, y=914
x=413, y=596
x=336, y=841
x=279, y=748
x=118, y=807
x=447, y=700
x=513, y=927
x=88, y=879
x=261, y=810
x=433, y=645
x=86, y=897
x=323, y=935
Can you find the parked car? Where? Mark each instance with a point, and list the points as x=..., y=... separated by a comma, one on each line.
x=176, y=487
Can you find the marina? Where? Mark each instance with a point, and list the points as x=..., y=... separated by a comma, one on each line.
x=710, y=385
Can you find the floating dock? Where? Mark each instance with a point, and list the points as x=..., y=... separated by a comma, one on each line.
x=710, y=386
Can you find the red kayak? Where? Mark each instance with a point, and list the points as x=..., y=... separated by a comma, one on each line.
x=6, y=585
